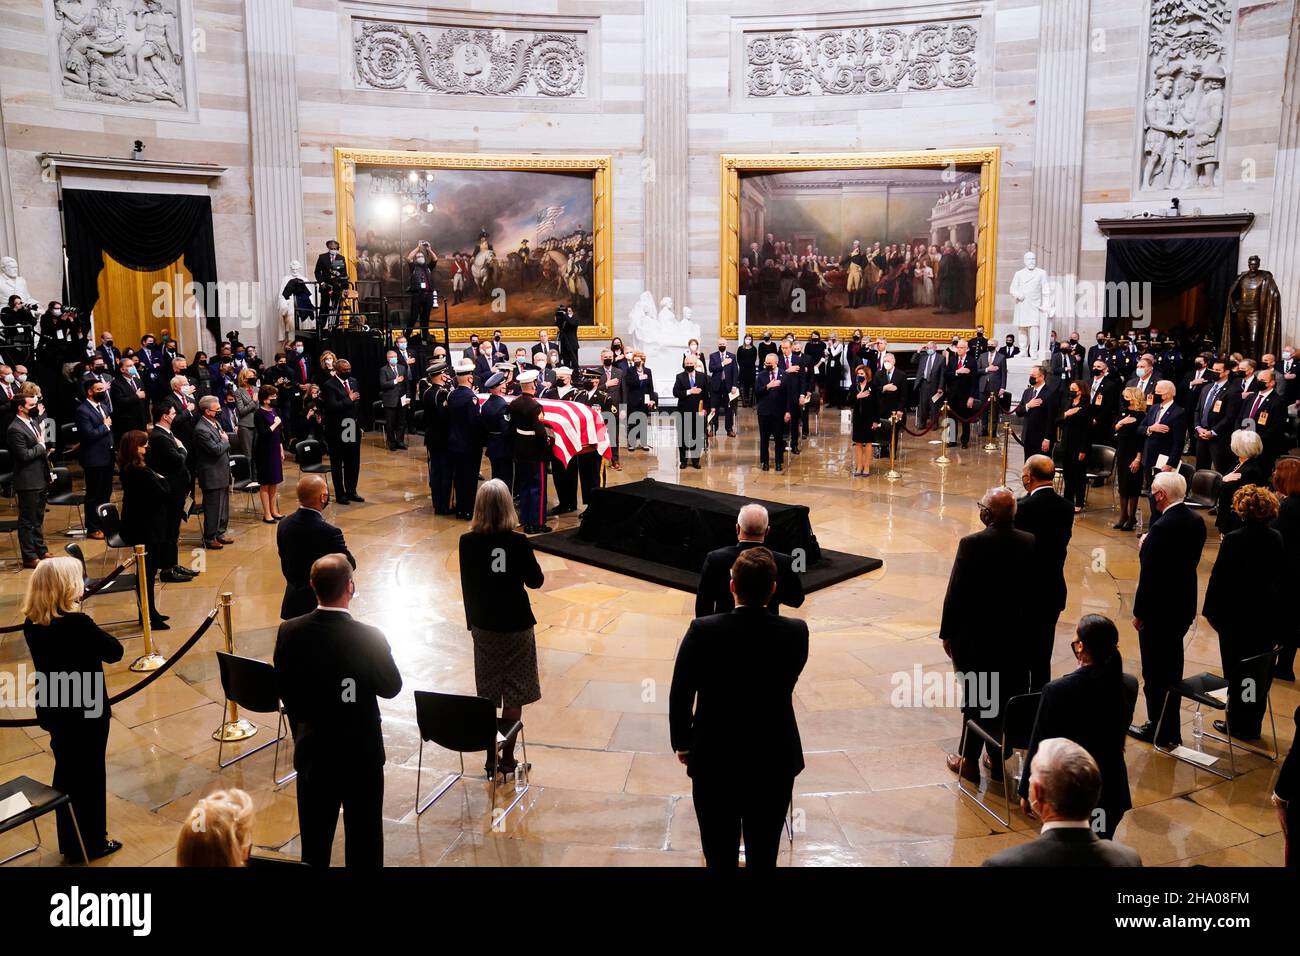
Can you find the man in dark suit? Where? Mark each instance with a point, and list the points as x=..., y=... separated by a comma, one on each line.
x=892, y=387
x=1164, y=606
x=1217, y=415
x=95, y=451
x=330, y=669
x=691, y=391
x=959, y=386
x=128, y=402
x=166, y=454
x=722, y=379
x=212, y=471
x=332, y=280
x=1064, y=783
x=302, y=538
x=713, y=594
x=566, y=327
x=1050, y=519
x=731, y=706
x=31, y=477
x=1267, y=410
x=1104, y=394
x=930, y=372
x=992, y=382
x=1038, y=408
x=109, y=352
x=1100, y=351
x=341, y=399
x=1066, y=366
x=394, y=394
x=612, y=380
x=773, y=390
x=989, y=661
x=1164, y=430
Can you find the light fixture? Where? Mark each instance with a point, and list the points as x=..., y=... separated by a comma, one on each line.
x=428, y=207
x=409, y=209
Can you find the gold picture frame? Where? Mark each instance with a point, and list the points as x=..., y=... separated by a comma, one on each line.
x=988, y=158
x=600, y=166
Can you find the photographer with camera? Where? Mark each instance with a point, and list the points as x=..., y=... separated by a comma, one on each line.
x=332, y=281
x=423, y=262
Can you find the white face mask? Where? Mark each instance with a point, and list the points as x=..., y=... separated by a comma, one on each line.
x=22, y=377
x=298, y=349
x=9, y=379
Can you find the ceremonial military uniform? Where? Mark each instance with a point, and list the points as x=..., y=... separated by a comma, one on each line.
x=565, y=476
x=532, y=448
x=590, y=473
x=463, y=446
x=435, y=443
x=495, y=418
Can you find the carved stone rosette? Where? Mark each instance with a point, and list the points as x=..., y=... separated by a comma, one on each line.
x=862, y=60
x=1189, y=51
x=466, y=61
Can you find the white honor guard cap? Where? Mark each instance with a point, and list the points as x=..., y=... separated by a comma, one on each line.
x=503, y=367
x=465, y=367
x=526, y=377
x=563, y=371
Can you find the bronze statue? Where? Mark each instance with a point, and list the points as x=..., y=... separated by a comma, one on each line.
x=1252, y=324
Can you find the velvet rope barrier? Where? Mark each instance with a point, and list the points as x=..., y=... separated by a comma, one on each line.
x=142, y=684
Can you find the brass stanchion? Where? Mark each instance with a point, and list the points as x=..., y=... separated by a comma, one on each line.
x=943, y=458
x=236, y=727
x=1006, y=447
x=892, y=474
x=150, y=660
x=992, y=443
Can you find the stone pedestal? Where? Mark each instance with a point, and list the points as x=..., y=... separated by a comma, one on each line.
x=1018, y=375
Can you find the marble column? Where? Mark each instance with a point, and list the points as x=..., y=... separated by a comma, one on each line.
x=665, y=165
x=1057, y=199
x=8, y=231
x=1283, y=255
x=276, y=157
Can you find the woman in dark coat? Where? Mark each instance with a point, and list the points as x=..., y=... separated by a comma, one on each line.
x=268, y=451
x=1075, y=423
x=641, y=401
x=496, y=565
x=1092, y=706
x=1251, y=564
x=1249, y=470
x=144, y=520
x=747, y=370
x=1128, y=458
x=865, y=418
x=64, y=642
x=1286, y=485
x=1286, y=798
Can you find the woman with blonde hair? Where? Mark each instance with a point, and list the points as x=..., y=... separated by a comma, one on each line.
x=246, y=406
x=1128, y=457
x=218, y=831
x=496, y=565
x=69, y=652
x=1251, y=562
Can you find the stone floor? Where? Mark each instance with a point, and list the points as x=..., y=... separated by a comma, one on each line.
x=606, y=788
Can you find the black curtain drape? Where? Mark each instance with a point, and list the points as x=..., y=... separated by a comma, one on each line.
x=143, y=231
x=1173, y=265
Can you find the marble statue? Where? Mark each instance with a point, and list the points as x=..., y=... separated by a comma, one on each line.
x=11, y=283
x=1252, y=321
x=662, y=337
x=1033, y=306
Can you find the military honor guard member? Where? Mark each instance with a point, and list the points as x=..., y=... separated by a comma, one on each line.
x=464, y=434
x=434, y=402
x=495, y=418
x=532, y=448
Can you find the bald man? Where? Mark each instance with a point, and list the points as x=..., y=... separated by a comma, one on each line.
x=989, y=660
x=301, y=538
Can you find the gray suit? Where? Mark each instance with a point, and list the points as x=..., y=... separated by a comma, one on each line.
x=31, y=480
x=930, y=371
x=1072, y=846
x=211, y=447
x=246, y=408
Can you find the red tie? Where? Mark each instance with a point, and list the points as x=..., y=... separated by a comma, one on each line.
x=1258, y=401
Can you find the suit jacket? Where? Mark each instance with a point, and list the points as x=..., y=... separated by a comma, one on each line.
x=1067, y=846
x=496, y=601
x=1270, y=421
x=713, y=593
x=975, y=646
x=1040, y=422
x=1168, y=443
x=722, y=379
x=691, y=404
x=613, y=381
x=990, y=383
x=143, y=521
x=895, y=401
x=302, y=538
x=164, y=456
x=638, y=391
x=731, y=701
x=1092, y=706
x=31, y=467
x=391, y=391
x=336, y=397
x=1252, y=560
x=1224, y=421
x=186, y=417
x=930, y=372
x=331, y=669
x=774, y=401
x=211, y=454
x=129, y=410
x=1168, y=558
x=1066, y=365
x=1050, y=519
x=958, y=388
x=94, y=437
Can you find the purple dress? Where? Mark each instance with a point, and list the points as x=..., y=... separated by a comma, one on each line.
x=266, y=448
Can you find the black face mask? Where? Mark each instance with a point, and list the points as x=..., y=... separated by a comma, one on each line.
x=608, y=362
x=1098, y=372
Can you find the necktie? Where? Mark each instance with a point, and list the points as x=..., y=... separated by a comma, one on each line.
x=1258, y=402
x=1209, y=405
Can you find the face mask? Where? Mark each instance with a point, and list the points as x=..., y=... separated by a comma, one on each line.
x=108, y=344
x=98, y=369
x=298, y=349
x=607, y=362
x=722, y=348
x=329, y=364
x=496, y=338
x=9, y=379
x=419, y=260
x=99, y=396
x=1286, y=356
x=888, y=366
x=22, y=377
x=401, y=346
x=767, y=338
x=187, y=390
x=1098, y=372
x=56, y=312
x=392, y=360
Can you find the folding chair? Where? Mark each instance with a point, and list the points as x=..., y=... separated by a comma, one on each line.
x=43, y=800
x=241, y=473
x=251, y=684
x=466, y=725
x=1198, y=689
x=62, y=495
x=1017, y=728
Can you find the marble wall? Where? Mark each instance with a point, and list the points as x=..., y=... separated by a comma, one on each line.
x=653, y=86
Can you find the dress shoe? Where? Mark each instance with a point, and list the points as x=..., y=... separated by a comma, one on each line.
x=538, y=529
x=987, y=764
x=1143, y=732
x=794, y=451
x=170, y=577
x=159, y=626
x=618, y=466
x=225, y=540
x=780, y=468
x=970, y=773
x=566, y=510
x=731, y=434
x=401, y=446
x=696, y=464
x=764, y=467
x=1222, y=728
x=184, y=572
x=343, y=501
x=357, y=498
x=31, y=562
x=212, y=544
x=110, y=846
x=95, y=535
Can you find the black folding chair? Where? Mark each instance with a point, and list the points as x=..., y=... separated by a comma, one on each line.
x=241, y=473
x=1100, y=468
x=466, y=725
x=1203, y=489
x=251, y=684
x=1200, y=690
x=111, y=523
x=1017, y=729
x=43, y=800
x=62, y=495
x=309, y=453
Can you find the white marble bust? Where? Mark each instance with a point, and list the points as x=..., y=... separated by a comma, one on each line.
x=11, y=283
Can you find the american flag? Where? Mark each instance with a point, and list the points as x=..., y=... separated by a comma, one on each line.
x=546, y=219
x=572, y=425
